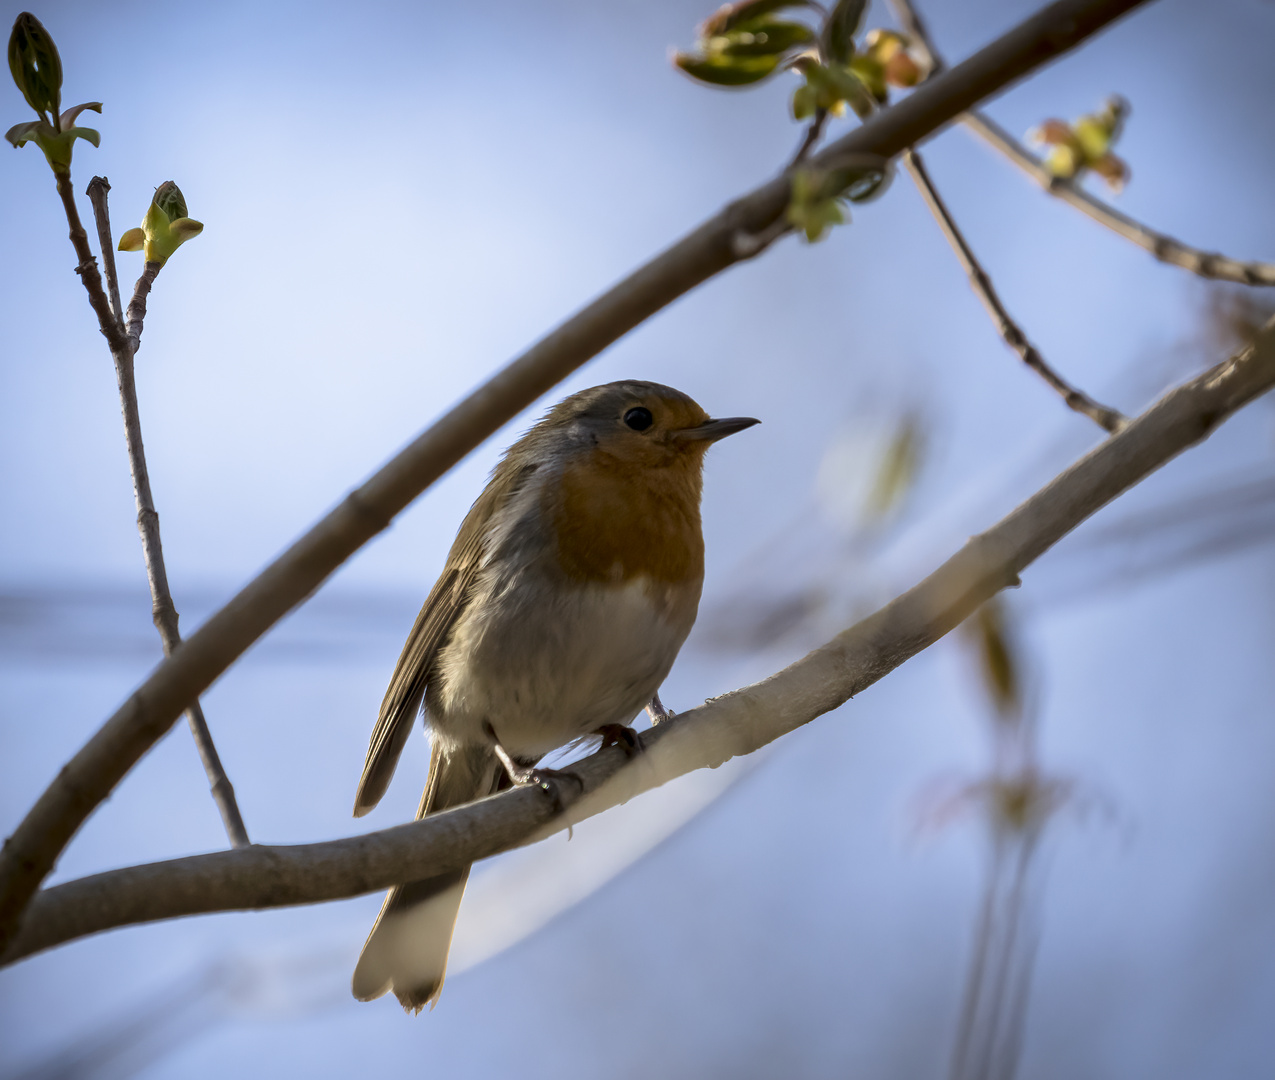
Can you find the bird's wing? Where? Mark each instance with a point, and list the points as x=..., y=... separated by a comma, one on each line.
x=446, y=600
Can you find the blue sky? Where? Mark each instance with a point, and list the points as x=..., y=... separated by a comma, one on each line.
x=399, y=198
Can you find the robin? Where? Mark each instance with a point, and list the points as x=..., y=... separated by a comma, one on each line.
x=565, y=598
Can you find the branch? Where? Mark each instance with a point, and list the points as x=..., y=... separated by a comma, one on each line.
x=89, y=777
x=97, y=190
x=1166, y=249
x=87, y=266
x=1106, y=418
x=706, y=737
x=163, y=611
x=813, y=132
x=137, y=305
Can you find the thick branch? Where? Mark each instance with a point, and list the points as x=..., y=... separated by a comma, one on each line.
x=1206, y=264
x=706, y=737
x=88, y=778
x=1012, y=334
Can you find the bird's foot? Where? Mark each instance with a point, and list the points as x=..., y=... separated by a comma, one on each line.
x=657, y=712
x=547, y=780
x=550, y=782
x=620, y=735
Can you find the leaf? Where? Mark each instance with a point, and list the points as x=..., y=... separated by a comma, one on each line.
x=998, y=663
x=767, y=39
x=837, y=39
x=36, y=66
x=68, y=118
x=20, y=134
x=898, y=467
x=735, y=16
x=132, y=240
x=185, y=228
x=87, y=134
x=729, y=71
x=169, y=199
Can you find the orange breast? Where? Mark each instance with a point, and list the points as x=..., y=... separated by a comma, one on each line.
x=615, y=521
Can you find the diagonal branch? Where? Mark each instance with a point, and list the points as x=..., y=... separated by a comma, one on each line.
x=724, y=727
x=102, y=762
x=1166, y=249
x=163, y=610
x=1106, y=418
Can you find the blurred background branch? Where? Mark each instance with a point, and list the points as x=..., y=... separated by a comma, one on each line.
x=1166, y=249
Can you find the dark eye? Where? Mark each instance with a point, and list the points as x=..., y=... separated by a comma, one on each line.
x=639, y=419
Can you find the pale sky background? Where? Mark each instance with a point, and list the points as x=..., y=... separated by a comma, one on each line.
x=399, y=198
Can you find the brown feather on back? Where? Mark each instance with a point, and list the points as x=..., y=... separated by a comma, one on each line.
x=442, y=607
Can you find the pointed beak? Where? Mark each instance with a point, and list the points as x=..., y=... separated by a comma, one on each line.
x=712, y=430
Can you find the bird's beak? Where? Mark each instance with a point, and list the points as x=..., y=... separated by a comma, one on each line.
x=712, y=430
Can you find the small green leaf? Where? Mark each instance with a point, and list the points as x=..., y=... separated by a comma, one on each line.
x=20, y=134
x=36, y=67
x=837, y=39
x=164, y=228
x=727, y=71
x=168, y=197
x=132, y=240
x=871, y=73
x=736, y=16
x=57, y=145
x=68, y=118
x=812, y=209
x=767, y=39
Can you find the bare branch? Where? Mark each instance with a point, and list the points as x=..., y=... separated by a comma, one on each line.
x=163, y=610
x=813, y=132
x=87, y=266
x=97, y=190
x=1106, y=418
x=706, y=737
x=1166, y=249
x=99, y=765
x=137, y=305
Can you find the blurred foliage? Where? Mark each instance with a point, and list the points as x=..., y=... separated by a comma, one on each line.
x=37, y=71
x=165, y=227
x=898, y=468
x=999, y=664
x=820, y=196
x=1086, y=143
x=743, y=44
x=1234, y=315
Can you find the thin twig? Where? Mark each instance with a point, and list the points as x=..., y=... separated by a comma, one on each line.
x=87, y=267
x=97, y=190
x=813, y=132
x=137, y=305
x=728, y=726
x=1108, y=419
x=1206, y=264
x=164, y=612
x=92, y=773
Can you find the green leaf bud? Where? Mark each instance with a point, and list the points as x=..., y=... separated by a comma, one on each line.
x=36, y=67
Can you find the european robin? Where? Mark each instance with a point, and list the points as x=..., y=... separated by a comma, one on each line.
x=565, y=598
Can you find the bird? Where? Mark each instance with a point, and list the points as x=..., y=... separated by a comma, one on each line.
x=572, y=583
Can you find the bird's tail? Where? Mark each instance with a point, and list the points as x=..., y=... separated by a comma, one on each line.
x=407, y=949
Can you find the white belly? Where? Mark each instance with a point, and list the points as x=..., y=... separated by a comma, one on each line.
x=544, y=666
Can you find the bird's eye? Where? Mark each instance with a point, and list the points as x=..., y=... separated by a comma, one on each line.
x=639, y=419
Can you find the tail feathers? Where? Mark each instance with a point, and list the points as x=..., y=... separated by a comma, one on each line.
x=407, y=949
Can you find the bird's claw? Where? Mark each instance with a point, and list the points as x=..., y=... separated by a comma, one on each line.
x=549, y=781
x=624, y=737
